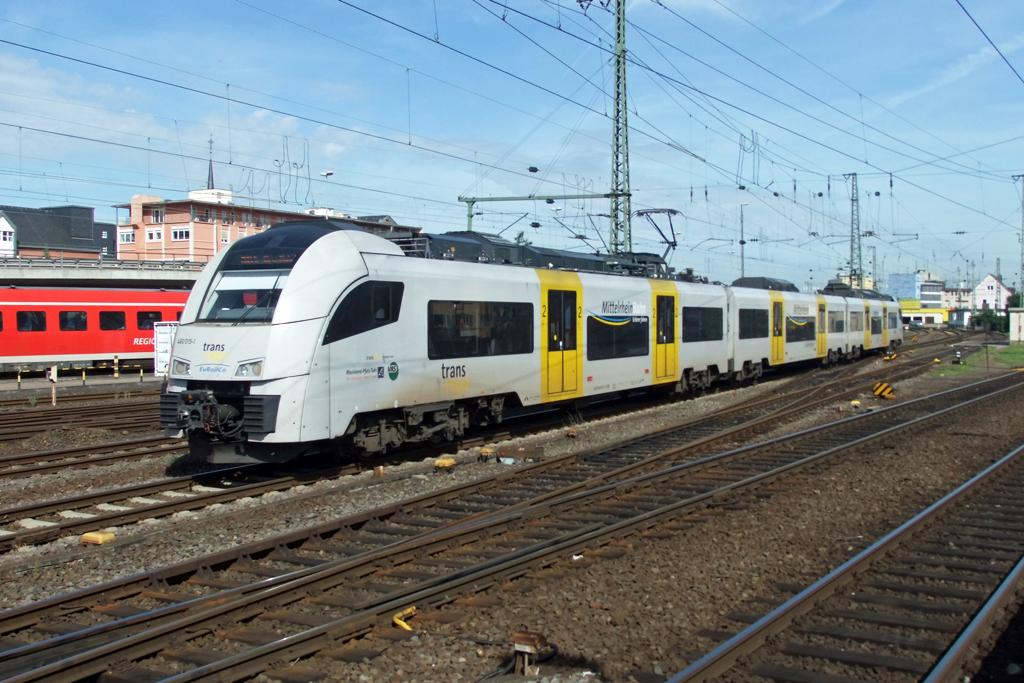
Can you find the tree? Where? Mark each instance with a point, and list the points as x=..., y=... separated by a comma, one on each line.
x=1014, y=301
x=994, y=323
x=521, y=239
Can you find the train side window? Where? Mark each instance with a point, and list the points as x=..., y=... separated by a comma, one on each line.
x=836, y=321
x=753, y=323
x=145, y=319
x=112, y=320
x=856, y=321
x=893, y=321
x=799, y=329
x=701, y=324
x=31, y=321
x=1, y=321
x=876, y=324
x=615, y=338
x=72, y=321
x=367, y=307
x=177, y=316
x=472, y=329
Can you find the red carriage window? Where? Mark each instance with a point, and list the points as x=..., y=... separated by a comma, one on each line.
x=31, y=321
x=145, y=319
x=72, y=321
x=112, y=320
x=1, y=321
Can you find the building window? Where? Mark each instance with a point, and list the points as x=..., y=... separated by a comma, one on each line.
x=154, y=235
x=126, y=237
x=180, y=235
x=103, y=235
x=157, y=216
x=103, y=250
x=203, y=216
x=223, y=216
x=224, y=235
x=7, y=236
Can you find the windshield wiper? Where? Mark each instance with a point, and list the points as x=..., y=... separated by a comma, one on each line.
x=256, y=305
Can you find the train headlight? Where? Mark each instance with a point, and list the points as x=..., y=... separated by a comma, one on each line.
x=180, y=367
x=253, y=368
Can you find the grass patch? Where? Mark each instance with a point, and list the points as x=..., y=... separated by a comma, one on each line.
x=999, y=358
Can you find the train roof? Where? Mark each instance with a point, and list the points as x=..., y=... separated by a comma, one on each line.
x=765, y=283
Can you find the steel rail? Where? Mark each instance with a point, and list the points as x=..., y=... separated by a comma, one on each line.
x=444, y=588
x=48, y=462
x=725, y=656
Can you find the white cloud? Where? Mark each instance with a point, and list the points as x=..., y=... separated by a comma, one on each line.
x=960, y=69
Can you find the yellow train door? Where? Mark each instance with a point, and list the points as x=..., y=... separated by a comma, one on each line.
x=885, y=326
x=778, y=329
x=822, y=328
x=867, y=326
x=665, y=332
x=561, y=323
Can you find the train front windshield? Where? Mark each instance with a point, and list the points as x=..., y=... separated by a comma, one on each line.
x=250, y=278
x=246, y=296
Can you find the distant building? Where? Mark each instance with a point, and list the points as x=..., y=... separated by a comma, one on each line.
x=991, y=293
x=59, y=232
x=922, y=285
x=956, y=297
x=866, y=282
x=195, y=229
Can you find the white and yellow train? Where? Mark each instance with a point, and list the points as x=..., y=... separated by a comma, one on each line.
x=314, y=335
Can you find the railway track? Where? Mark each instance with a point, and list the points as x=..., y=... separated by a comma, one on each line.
x=48, y=462
x=238, y=614
x=132, y=415
x=43, y=401
x=44, y=522
x=909, y=607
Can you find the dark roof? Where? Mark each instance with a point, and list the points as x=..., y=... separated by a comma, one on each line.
x=69, y=228
x=765, y=283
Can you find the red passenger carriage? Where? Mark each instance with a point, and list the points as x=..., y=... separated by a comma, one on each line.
x=81, y=327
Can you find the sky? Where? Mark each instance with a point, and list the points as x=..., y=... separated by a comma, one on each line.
x=738, y=110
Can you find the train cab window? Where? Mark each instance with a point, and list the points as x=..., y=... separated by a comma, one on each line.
x=836, y=322
x=145, y=319
x=112, y=320
x=248, y=296
x=367, y=307
x=72, y=321
x=701, y=324
x=753, y=323
x=31, y=321
x=473, y=329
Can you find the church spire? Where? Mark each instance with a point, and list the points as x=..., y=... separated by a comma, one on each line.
x=209, y=177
